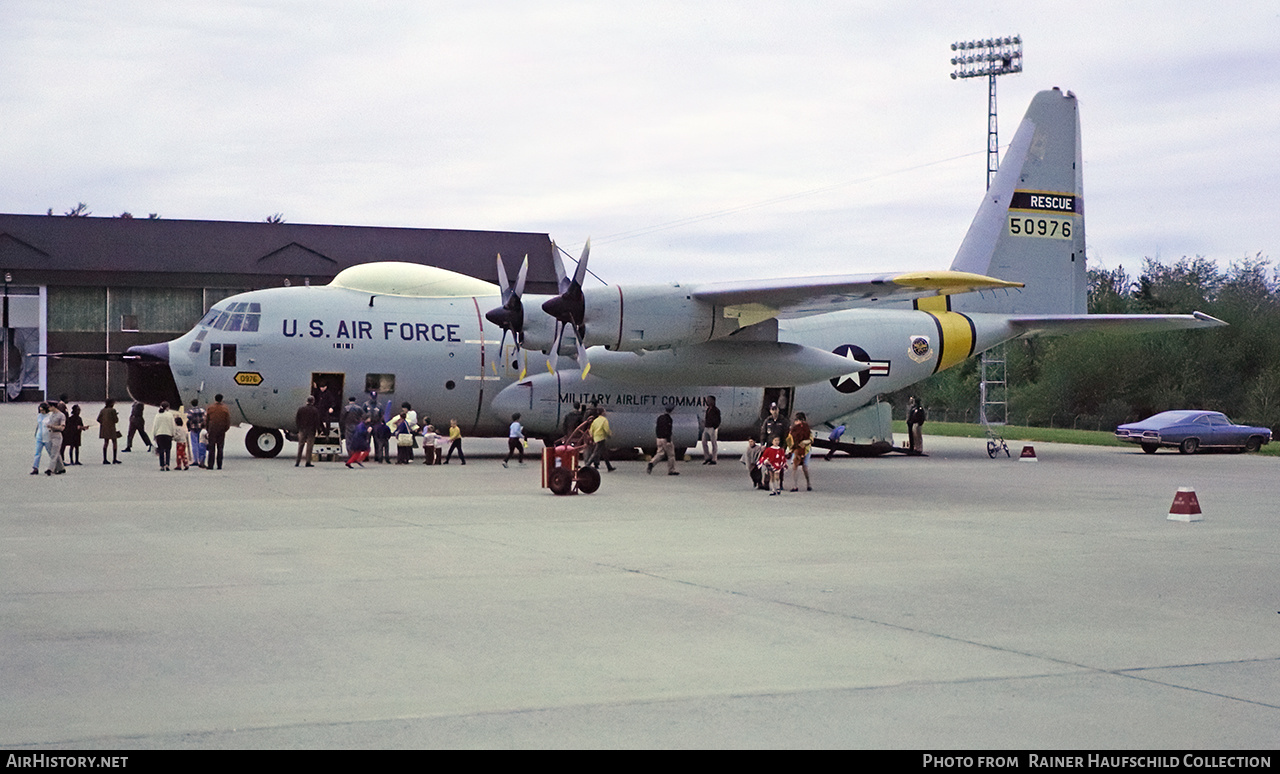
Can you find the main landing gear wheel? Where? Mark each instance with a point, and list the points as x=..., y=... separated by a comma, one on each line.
x=264, y=442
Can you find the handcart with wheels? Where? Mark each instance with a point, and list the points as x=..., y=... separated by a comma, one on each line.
x=562, y=471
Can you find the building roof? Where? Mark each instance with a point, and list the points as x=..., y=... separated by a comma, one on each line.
x=62, y=250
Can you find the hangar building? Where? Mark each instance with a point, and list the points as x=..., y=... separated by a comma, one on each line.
x=83, y=284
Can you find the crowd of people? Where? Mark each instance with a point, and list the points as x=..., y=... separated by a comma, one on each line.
x=780, y=443
x=368, y=430
x=182, y=437
x=179, y=437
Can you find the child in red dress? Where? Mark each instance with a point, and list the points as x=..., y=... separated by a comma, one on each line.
x=773, y=461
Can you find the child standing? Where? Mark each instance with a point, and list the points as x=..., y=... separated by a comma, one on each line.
x=773, y=460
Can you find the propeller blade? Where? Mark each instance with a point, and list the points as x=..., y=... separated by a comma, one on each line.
x=562, y=282
x=554, y=355
x=503, y=283
x=583, y=363
x=522, y=276
x=580, y=273
x=501, y=348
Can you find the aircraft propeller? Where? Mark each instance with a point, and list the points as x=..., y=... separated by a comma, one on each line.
x=569, y=308
x=510, y=316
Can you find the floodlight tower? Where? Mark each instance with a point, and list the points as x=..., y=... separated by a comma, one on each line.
x=973, y=59
x=990, y=57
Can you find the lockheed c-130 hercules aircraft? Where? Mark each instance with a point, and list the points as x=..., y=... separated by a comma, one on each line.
x=457, y=347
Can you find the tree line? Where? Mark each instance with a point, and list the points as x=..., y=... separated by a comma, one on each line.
x=1102, y=380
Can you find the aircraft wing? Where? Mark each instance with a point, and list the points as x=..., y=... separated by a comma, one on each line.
x=1059, y=324
x=804, y=296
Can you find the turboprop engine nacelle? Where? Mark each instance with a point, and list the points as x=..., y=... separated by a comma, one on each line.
x=629, y=319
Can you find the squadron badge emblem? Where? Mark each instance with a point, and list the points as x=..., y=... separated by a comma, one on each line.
x=921, y=349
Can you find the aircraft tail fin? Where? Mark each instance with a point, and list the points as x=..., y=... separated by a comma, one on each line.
x=1030, y=226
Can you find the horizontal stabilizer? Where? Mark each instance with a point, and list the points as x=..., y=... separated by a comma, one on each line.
x=1061, y=324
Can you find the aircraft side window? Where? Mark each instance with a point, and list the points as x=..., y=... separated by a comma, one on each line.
x=221, y=354
x=380, y=383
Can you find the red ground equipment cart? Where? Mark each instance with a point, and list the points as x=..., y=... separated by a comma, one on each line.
x=560, y=464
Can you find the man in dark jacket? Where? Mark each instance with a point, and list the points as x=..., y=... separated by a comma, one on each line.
x=217, y=421
x=307, y=421
x=137, y=424
x=665, y=447
x=711, y=433
x=915, y=420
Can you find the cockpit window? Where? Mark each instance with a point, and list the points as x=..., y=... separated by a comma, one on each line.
x=238, y=316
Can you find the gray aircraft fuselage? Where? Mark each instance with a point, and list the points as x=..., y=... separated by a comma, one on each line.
x=441, y=356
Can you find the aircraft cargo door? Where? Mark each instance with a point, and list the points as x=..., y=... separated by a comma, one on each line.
x=780, y=395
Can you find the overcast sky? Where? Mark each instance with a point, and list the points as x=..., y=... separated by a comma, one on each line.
x=692, y=140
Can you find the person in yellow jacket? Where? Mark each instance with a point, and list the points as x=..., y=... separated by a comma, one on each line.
x=455, y=442
x=600, y=433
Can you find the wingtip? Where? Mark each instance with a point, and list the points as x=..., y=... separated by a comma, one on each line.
x=1208, y=318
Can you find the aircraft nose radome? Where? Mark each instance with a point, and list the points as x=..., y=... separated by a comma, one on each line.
x=150, y=378
x=151, y=352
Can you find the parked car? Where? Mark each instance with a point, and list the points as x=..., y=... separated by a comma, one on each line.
x=1192, y=430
